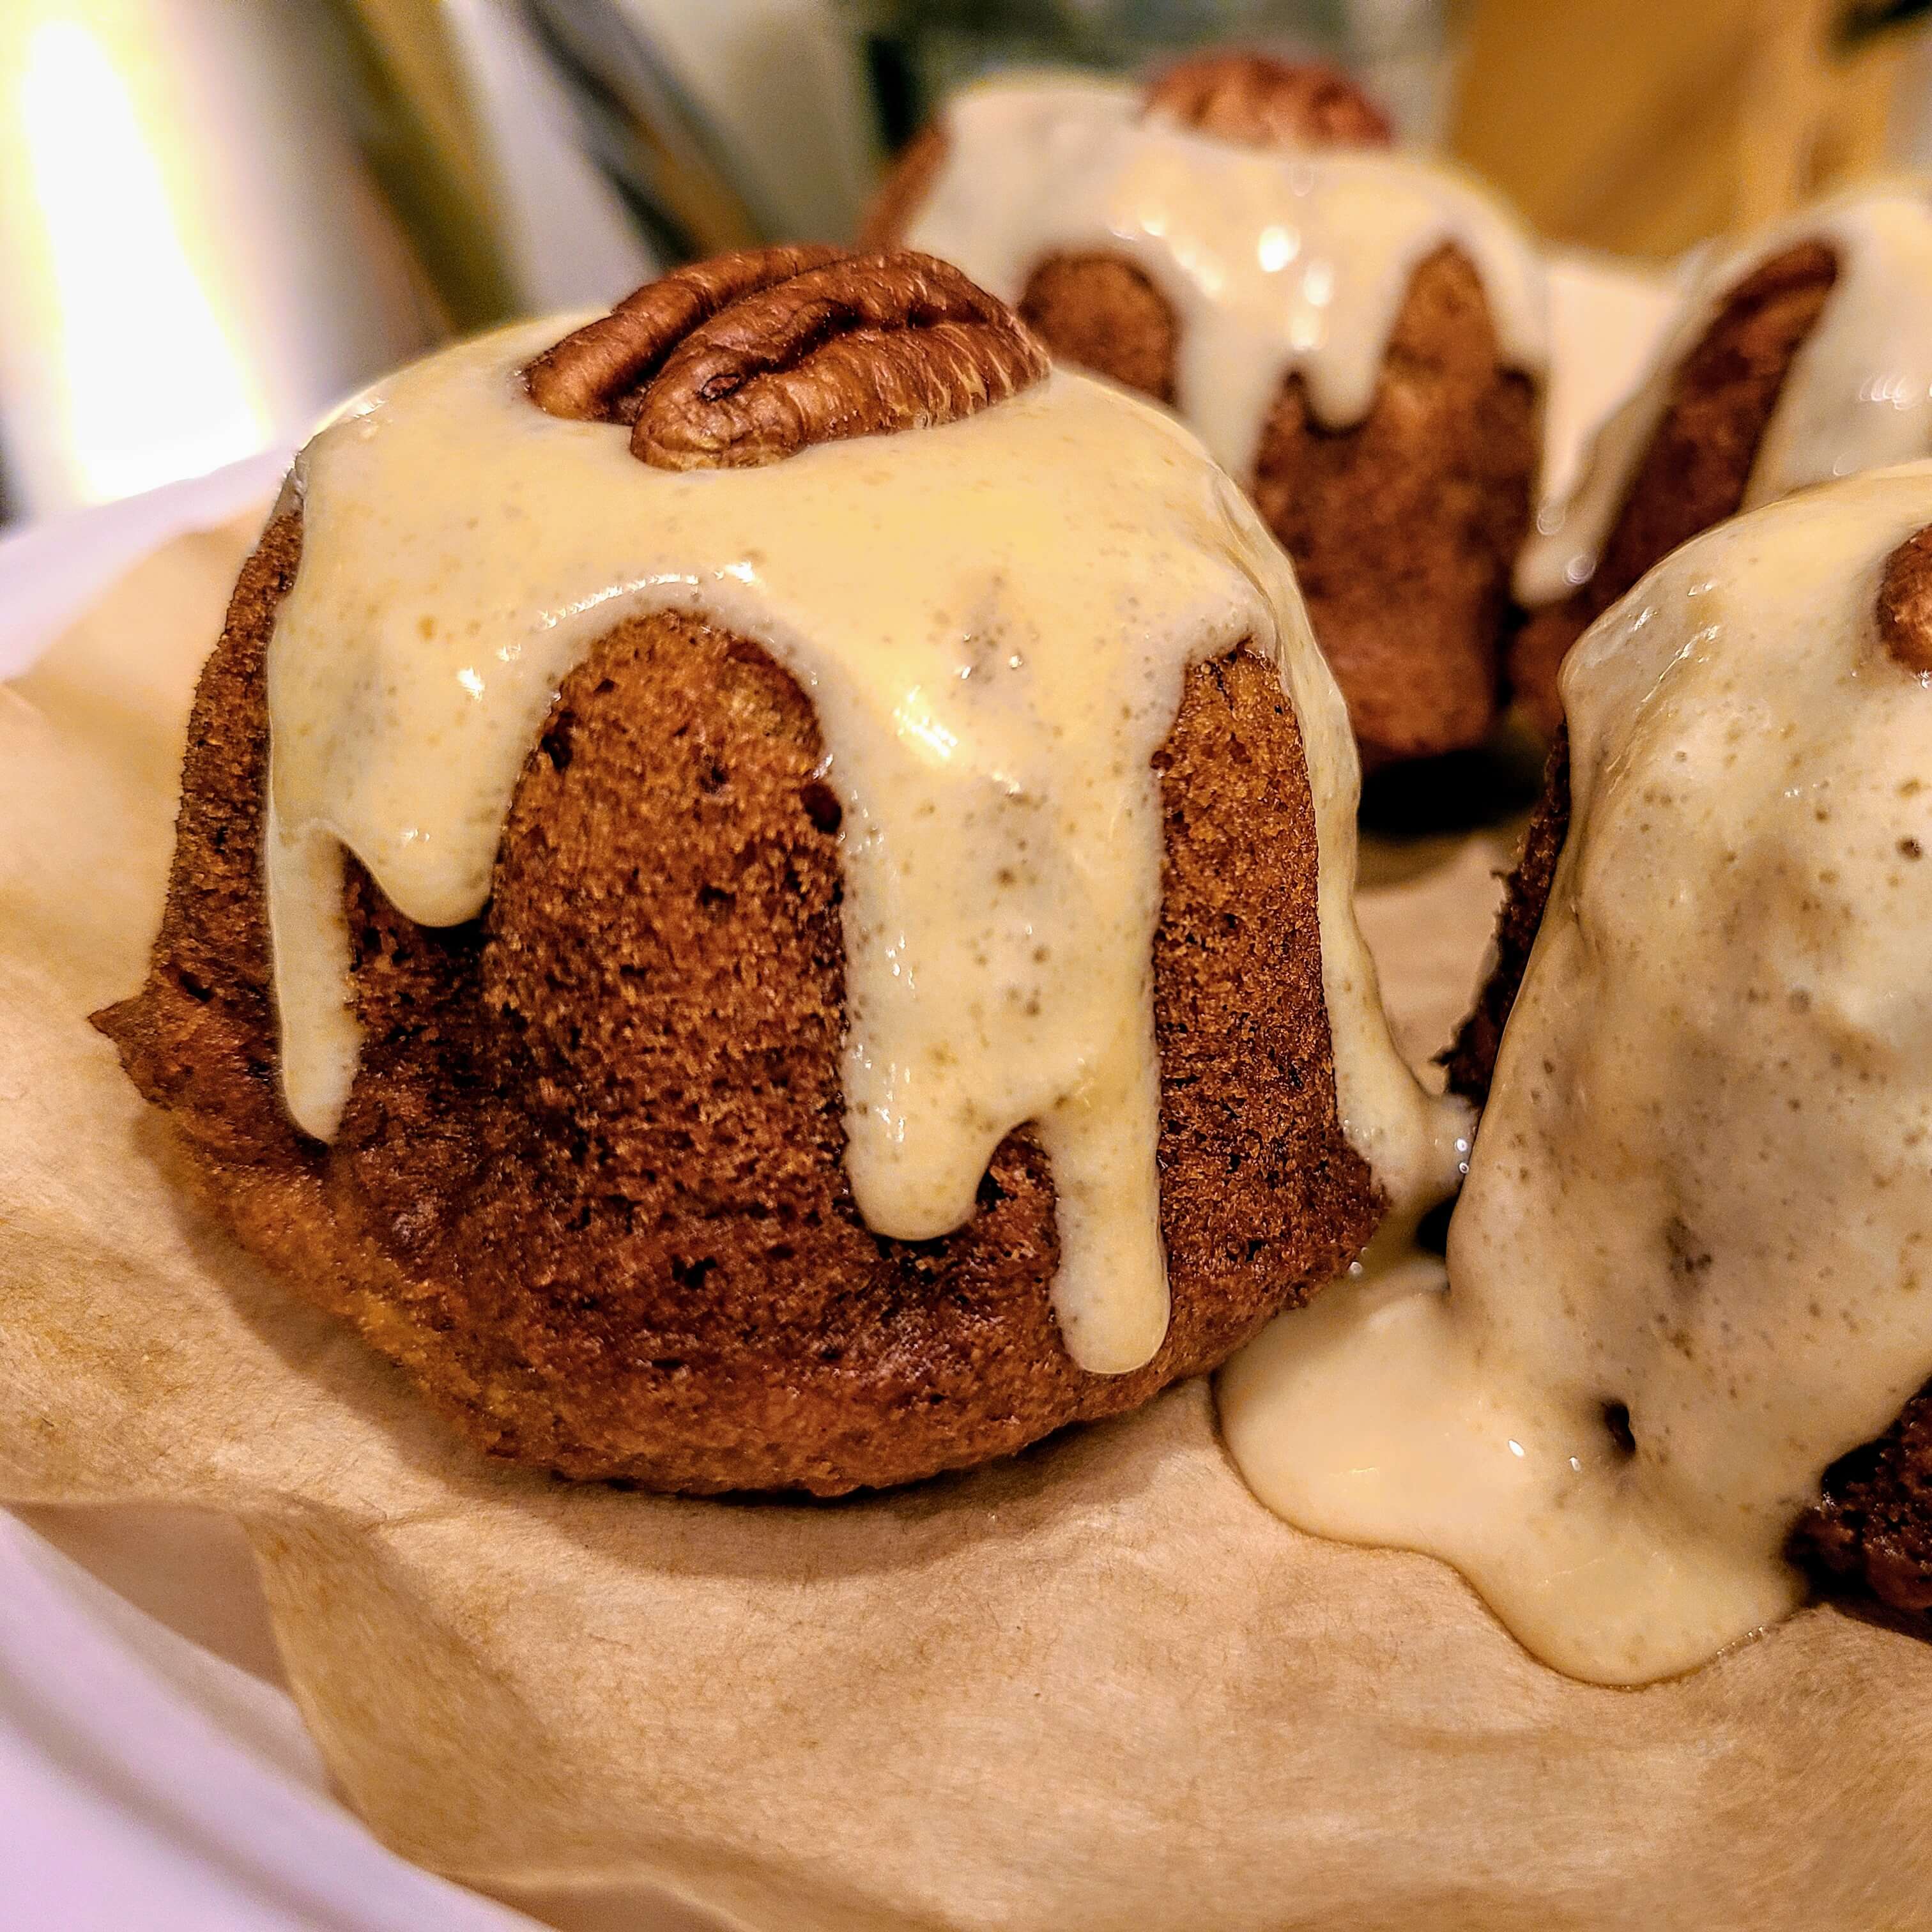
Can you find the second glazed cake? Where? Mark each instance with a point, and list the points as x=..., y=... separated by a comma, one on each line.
x=1837, y=583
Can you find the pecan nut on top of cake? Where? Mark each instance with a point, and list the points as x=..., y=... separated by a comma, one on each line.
x=1358, y=335
x=762, y=894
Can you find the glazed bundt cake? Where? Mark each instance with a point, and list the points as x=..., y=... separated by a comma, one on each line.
x=762, y=894
x=1804, y=355
x=1686, y=1334
x=1358, y=335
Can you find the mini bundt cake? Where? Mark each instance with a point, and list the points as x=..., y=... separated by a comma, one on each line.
x=1871, y=1527
x=1804, y=355
x=762, y=896
x=1358, y=335
x=1686, y=1334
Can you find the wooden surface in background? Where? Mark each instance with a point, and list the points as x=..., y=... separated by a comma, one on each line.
x=1642, y=126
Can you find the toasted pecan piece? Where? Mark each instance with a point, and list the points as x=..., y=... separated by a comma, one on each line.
x=753, y=357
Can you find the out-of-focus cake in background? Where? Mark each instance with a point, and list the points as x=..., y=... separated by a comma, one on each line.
x=1802, y=355
x=1358, y=335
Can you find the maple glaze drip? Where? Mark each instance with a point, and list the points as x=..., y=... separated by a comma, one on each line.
x=993, y=619
x=1858, y=395
x=1692, y=1266
x=1275, y=263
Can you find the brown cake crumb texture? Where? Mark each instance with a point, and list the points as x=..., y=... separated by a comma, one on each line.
x=1872, y=1527
x=1471, y=1061
x=1103, y=313
x=1694, y=472
x=1403, y=527
x=589, y=1190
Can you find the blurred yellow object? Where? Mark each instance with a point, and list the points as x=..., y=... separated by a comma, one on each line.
x=146, y=380
x=1643, y=126
x=193, y=262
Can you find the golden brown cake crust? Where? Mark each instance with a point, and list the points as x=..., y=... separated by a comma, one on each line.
x=1404, y=528
x=589, y=1190
x=1695, y=469
x=1103, y=313
x=1872, y=1528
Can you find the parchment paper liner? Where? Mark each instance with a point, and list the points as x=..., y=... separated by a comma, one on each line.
x=1095, y=1687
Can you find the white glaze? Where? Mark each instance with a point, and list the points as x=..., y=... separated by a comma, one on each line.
x=1274, y=263
x=1700, y=1185
x=1858, y=395
x=992, y=618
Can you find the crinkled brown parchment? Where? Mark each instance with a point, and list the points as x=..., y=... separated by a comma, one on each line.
x=1096, y=1687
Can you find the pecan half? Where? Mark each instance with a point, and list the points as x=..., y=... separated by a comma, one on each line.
x=599, y=374
x=1905, y=603
x=1264, y=103
x=752, y=357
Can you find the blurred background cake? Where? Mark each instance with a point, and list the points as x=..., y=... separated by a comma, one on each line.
x=1803, y=355
x=1359, y=336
